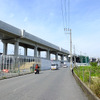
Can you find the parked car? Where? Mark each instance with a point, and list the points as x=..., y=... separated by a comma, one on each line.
x=54, y=66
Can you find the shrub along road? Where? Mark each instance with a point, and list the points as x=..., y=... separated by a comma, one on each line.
x=48, y=85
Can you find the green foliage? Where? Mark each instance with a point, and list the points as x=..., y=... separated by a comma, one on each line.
x=85, y=70
x=95, y=87
x=93, y=64
x=4, y=77
x=90, y=75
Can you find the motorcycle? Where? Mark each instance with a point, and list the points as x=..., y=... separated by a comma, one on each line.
x=36, y=71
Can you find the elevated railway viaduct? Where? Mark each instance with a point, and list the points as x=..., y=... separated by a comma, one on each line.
x=12, y=35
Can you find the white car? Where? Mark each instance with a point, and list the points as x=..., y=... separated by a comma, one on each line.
x=65, y=66
x=54, y=66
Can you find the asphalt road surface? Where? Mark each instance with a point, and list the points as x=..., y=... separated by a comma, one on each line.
x=48, y=85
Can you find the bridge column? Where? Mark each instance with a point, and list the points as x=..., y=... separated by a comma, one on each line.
x=66, y=56
x=48, y=54
x=56, y=56
x=69, y=57
x=16, y=48
x=25, y=51
x=35, y=51
x=5, y=48
x=62, y=57
x=39, y=53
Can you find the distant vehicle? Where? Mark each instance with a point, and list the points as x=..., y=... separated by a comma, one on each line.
x=54, y=66
x=65, y=66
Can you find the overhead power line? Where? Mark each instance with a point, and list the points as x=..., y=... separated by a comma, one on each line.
x=65, y=13
x=62, y=13
x=65, y=8
x=68, y=13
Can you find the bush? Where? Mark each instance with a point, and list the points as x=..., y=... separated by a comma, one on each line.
x=93, y=64
x=92, y=82
x=4, y=77
x=95, y=87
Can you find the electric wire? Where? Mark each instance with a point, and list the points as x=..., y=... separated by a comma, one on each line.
x=62, y=13
x=65, y=14
x=68, y=13
x=65, y=8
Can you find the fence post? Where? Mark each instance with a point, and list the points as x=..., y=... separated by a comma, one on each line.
x=78, y=71
x=83, y=74
x=3, y=61
x=18, y=59
x=0, y=63
x=89, y=77
x=6, y=62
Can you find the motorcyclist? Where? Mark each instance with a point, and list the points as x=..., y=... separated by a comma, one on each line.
x=37, y=68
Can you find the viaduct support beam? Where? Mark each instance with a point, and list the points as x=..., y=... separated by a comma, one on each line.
x=62, y=57
x=56, y=56
x=16, y=48
x=5, y=48
x=39, y=53
x=67, y=57
x=25, y=51
x=48, y=54
x=35, y=51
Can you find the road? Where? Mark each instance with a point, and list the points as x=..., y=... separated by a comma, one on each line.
x=48, y=85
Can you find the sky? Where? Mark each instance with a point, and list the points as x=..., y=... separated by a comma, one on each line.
x=43, y=18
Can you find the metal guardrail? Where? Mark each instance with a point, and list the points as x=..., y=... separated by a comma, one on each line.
x=16, y=65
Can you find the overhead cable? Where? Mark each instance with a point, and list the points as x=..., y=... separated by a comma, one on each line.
x=62, y=13
x=65, y=8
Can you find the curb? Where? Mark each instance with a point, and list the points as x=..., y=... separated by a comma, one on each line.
x=17, y=75
x=89, y=93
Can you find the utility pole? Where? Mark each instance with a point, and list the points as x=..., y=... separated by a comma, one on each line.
x=85, y=58
x=69, y=32
x=74, y=56
x=81, y=58
x=70, y=50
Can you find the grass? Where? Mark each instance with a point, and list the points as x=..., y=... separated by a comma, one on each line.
x=90, y=75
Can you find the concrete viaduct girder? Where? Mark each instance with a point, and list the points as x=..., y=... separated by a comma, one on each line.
x=18, y=37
